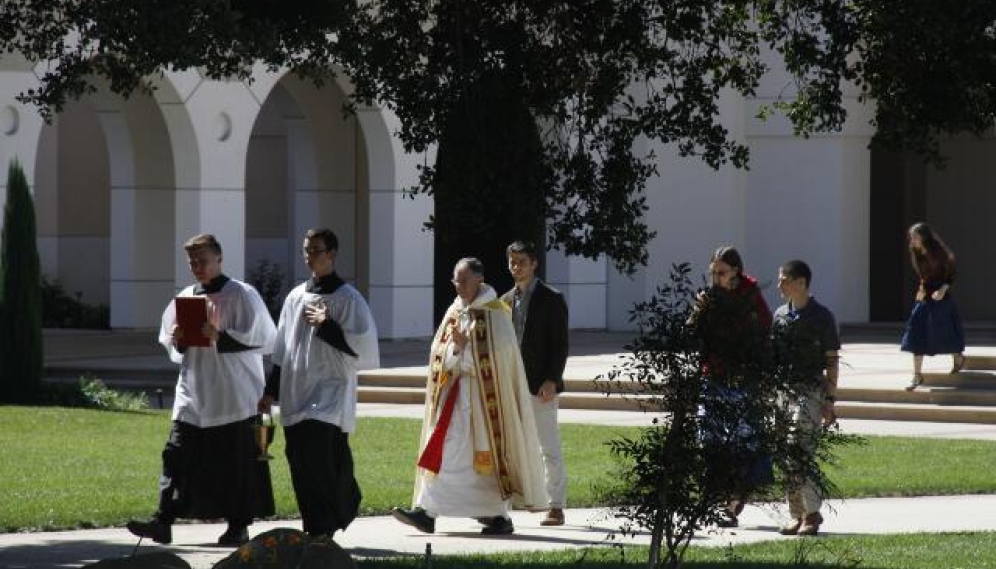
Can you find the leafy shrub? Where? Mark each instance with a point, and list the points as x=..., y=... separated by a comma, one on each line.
x=92, y=393
x=722, y=415
x=268, y=279
x=99, y=396
x=60, y=310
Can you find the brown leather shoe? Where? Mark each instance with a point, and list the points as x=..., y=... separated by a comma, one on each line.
x=810, y=524
x=555, y=517
x=791, y=528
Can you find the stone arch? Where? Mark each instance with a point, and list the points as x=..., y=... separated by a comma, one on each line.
x=106, y=180
x=308, y=166
x=345, y=173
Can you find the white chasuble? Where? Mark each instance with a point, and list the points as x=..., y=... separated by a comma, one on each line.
x=490, y=454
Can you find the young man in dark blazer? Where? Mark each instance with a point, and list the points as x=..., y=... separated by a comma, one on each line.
x=539, y=314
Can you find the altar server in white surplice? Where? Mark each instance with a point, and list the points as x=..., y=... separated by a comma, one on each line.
x=479, y=451
x=325, y=336
x=210, y=469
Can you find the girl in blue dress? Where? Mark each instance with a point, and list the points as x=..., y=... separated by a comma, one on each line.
x=934, y=326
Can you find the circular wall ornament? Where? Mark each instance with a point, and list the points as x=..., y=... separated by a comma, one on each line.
x=223, y=127
x=10, y=120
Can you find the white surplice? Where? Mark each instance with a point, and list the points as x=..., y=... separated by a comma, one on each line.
x=220, y=388
x=317, y=380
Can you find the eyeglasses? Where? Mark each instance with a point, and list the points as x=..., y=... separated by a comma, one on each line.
x=311, y=251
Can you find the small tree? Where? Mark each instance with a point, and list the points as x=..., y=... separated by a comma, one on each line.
x=268, y=279
x=715, y=431
x=20, y=294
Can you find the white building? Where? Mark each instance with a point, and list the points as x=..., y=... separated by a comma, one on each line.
x=120, y=184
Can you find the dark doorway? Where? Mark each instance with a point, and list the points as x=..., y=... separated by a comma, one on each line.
x=898, y=199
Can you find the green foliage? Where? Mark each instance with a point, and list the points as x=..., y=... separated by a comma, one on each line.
x=60, y=310
x=722, y=398
x=99, y=396
x=268, y=279
x=20, y=328
x=930, y=68
x=602, y=77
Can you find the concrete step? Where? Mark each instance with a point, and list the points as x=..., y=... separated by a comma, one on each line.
x=390, y=378
x=924, y=395
x=950, y=411
x=397, y=395
x=916, y=412
x=978, y=362
x=964, y=379
x=409, y=395
x=124, y=378
x=963, y=397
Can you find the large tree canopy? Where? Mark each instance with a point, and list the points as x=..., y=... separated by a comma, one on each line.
x=598, y=75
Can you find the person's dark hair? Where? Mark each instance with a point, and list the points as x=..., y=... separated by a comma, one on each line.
x=202, y=241
x=474, y=264
x=795, y=269
x=934, y=250
x=527, y=248
x=326, y=235
x=731, y=257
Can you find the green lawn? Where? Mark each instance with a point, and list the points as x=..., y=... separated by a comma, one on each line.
x=66, y=468
x=912, y=551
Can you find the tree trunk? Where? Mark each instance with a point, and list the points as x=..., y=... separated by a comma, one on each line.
x=488, y=185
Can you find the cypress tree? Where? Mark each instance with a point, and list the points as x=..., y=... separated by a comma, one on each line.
x=20, y=294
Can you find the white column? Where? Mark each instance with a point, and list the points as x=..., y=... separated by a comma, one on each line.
x=221, y=115
x=20, y=126
x=140, y=222
x=584, y=283
x=401, y=252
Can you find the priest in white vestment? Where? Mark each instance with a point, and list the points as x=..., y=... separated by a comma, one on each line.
x=325, y=336
x=210, y=469
x=479, y=450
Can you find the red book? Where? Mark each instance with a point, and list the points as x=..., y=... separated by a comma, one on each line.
x=191, y=315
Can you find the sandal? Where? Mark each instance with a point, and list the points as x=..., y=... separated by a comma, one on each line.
x=917, y=381
x=958, y=364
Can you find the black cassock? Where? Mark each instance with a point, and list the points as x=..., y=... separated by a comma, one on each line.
x=213, y=473
x=321, y=464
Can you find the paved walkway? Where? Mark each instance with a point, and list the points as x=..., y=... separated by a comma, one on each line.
x=381, y=536
x=879, y=365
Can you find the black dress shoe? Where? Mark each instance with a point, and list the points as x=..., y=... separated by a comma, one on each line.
x=417, y=518
x=498, y=525
x=234, y=537
x=152, y=529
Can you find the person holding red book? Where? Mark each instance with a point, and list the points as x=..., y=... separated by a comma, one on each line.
x=210, y=469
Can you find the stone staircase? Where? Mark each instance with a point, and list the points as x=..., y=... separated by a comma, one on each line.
x=965, y=397
x=408, y=387
x=873, y=373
